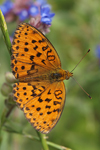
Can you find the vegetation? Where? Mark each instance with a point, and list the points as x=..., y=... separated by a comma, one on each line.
x=75, y=29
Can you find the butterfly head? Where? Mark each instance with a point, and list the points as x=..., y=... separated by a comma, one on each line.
x=68, y=74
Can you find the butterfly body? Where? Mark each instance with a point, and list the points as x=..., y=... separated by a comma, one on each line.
x=40, y=92
x=52, y=76
x=60, y=75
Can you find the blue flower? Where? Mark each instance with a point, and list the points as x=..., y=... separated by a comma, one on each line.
x=6, y=7
x=23, y=15
x=98, y=51
x=33, y=10
x=41, y=2
x=46, y=15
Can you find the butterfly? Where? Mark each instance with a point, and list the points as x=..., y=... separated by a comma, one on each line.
x=40, y=92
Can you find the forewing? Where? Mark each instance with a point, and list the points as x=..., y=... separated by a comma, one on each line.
x=32, y=52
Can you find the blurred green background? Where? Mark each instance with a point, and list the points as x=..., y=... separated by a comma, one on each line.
x=75, y=29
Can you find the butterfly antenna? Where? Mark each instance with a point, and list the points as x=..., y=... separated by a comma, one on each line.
x=76, y=81
x=82, y=89
x=81, y=59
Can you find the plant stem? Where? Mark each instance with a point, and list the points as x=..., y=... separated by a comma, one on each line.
x=43, y=140
x=5, y=32
x=5, y=115
x=31, y=137
x=57, y=146
x=8, y=44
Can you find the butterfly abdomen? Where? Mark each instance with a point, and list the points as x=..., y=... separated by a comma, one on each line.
x=53, y=76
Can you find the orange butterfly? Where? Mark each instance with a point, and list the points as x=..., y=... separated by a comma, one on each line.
x=40, y=92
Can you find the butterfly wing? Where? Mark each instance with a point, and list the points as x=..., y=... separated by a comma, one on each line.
x=24, y=92
x=32, y=56
x=32, y=52
x=43, y=104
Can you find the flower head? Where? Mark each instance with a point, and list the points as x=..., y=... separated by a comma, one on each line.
x=38, y=12
x=27, y=13
x=46, y=15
